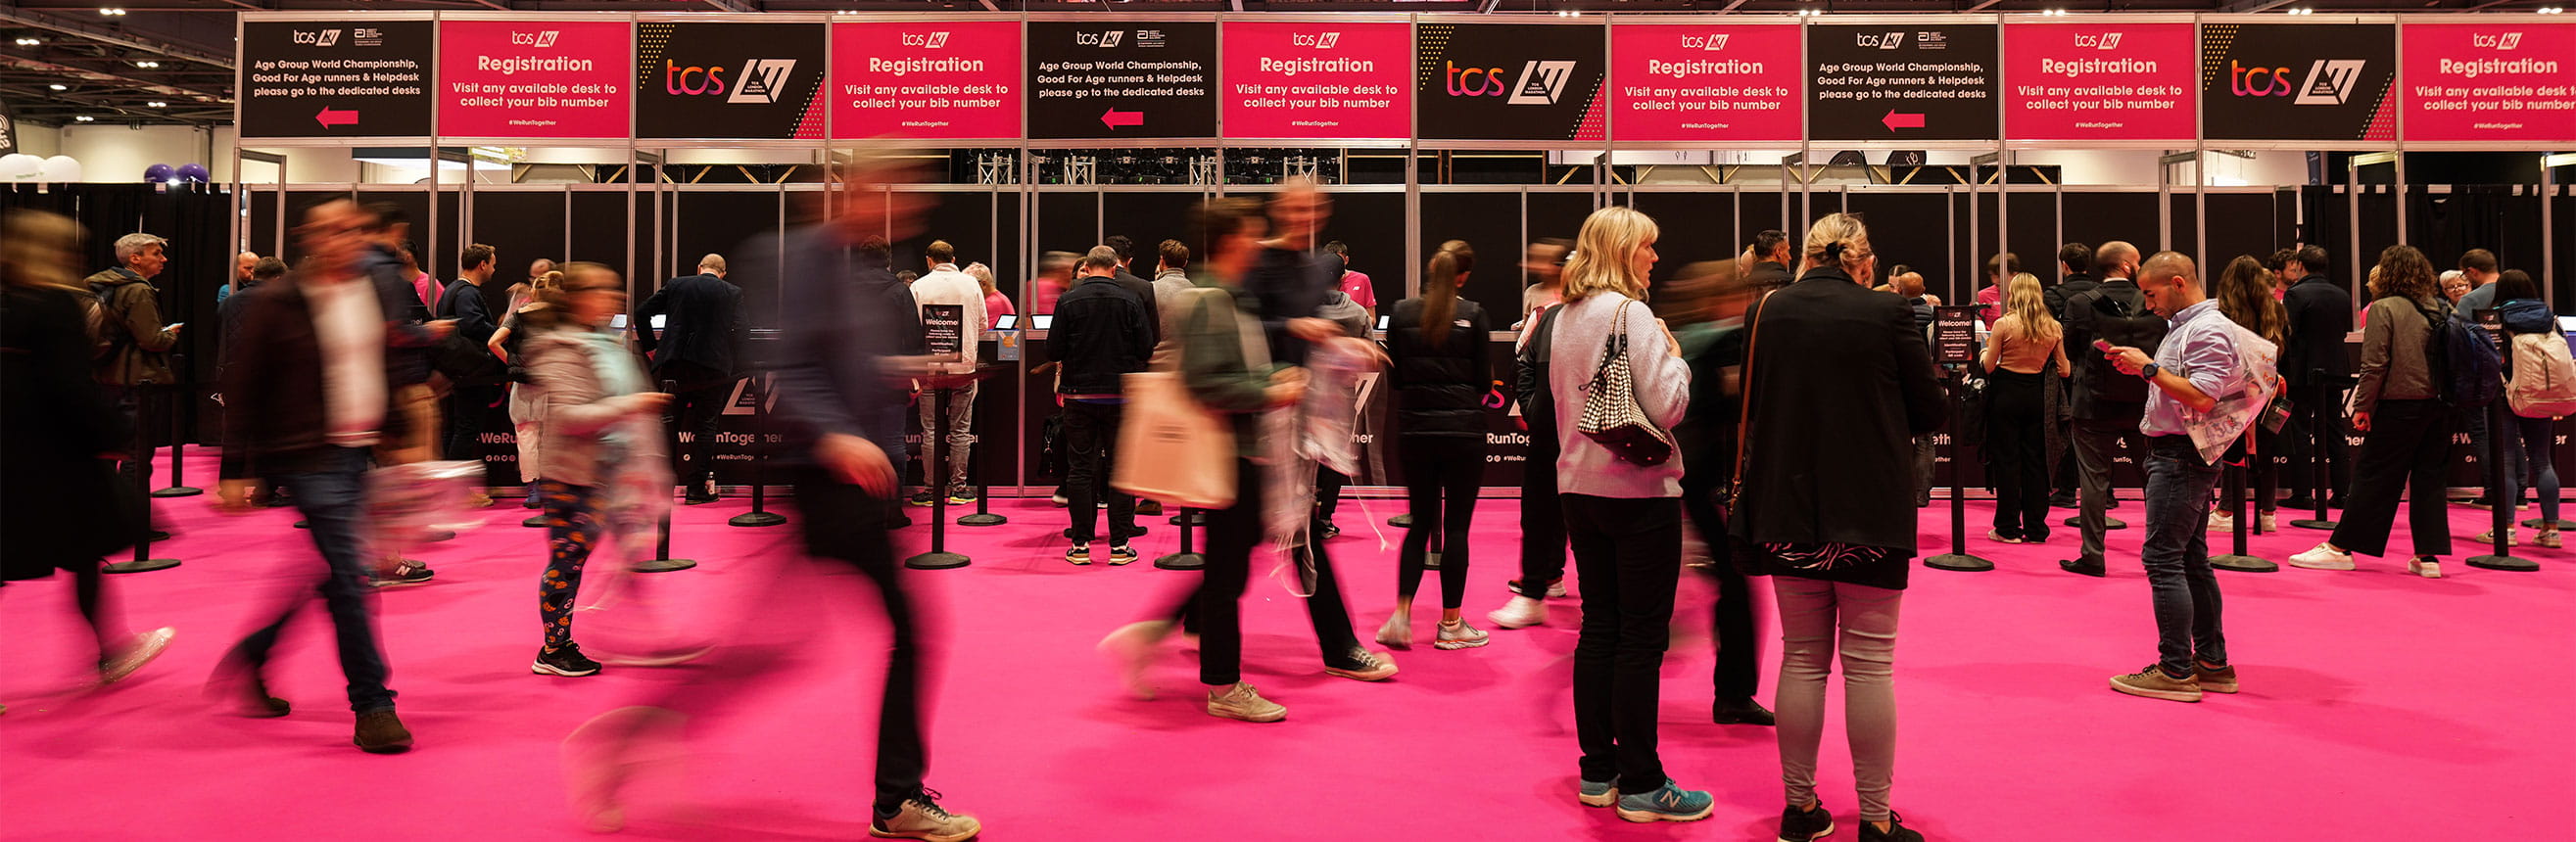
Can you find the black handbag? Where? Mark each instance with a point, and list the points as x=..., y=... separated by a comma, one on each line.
x=1611, y=416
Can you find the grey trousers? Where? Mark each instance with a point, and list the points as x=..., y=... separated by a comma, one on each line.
x=1815, y=616
x=961, y=434
x=2094, y=444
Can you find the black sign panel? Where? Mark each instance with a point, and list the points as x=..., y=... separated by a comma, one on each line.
x=331, y=79
x=729, y=81
x=1121, y=81
x=2298, y=81
x=1902, y=82
x=1954, y=334
x=1509, y=81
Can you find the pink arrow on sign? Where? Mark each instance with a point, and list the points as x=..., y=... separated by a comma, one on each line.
x=329, y=118
x=1114, y=118
x=1896, y=121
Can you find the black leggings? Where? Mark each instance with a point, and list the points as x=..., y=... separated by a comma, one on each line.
x=1441, y=474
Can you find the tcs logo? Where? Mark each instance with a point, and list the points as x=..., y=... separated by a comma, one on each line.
x=761, y=80
x=1474, y=81
x=2102, y=41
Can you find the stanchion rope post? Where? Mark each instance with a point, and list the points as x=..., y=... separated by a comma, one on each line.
x=143, y=561
x=178, y=438
x=2500, y=515
x=662, y=562
x=1958, y=559
x=935, y=476
x=760, y=515
x=2327, y=419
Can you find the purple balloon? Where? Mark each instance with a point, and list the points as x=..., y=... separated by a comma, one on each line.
x=157, y=173
x=193, y=173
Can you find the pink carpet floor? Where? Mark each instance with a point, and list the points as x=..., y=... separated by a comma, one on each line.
x=2377, y=706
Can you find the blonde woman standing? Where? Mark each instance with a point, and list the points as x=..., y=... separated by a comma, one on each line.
x=2023, y=361
x=1623, y=519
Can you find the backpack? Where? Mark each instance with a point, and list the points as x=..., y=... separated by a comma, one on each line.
x=2544, y=376
x=105, y=339
x=2125, y=322
x=2466, y=369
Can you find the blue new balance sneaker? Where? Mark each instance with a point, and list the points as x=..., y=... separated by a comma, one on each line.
x=1598, y=793
x=1667, y=803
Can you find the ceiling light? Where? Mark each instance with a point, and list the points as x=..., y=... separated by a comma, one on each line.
x=148, y=65
x=86, y=118
x=2550, y=10
x=29, y=42
x=158, y=104
x=59, y=87
x=110, y=12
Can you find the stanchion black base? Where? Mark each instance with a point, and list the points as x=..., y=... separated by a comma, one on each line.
x=178, y=491
x=664, y=565
x=1402, y=521
x=2107, y=523
x=2537, y=523
x=937, y=561
x=1958, y=562
x=537, y=522
x=982, y=519
x=2313, y=523
x=145, y=566
x=2242, y=564
x=2505, y=563
x=303, y=524
x=1182, y=561
x=757, y=519
x=1194, y=518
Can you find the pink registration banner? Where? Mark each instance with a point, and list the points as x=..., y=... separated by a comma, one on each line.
x=535, y=78
x=926, y=80
x=1698, y=83
x=2101, y=81
x=2491, y=82
x=1317, y=80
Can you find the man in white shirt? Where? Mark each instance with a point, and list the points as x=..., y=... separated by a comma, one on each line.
x=948, y=287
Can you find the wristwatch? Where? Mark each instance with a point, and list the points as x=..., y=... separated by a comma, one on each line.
x=2149, y=371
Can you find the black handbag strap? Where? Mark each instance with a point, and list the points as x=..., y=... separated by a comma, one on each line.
x=1744, y=388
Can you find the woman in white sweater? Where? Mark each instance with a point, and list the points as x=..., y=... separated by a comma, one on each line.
x=1623, y=519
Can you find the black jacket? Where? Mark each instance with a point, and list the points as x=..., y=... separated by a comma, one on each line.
x=1767, y=275
x=1439, y=391
x=61, y=506
x=1285, y=284
x=2056, y=296
x=409, y=351
x=2085, y=404
x=706, y=325
x=1840, y=382
x=274, y=418
x=2320, y=317
x=1100, y=334
x=464, y=302
x=1144, y=291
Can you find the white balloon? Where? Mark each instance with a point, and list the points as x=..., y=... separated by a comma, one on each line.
x=21, y=167
x=62, y=169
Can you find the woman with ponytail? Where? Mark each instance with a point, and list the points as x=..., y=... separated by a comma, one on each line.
x=1439, y=371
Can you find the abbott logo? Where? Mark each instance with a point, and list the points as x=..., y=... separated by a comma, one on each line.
x=1541, y=82
x=925, y=40
x=321, y=38
x=1888, y=41
x=2506, y=41
x=1711, y=43
x=762, y=80
x=2104, y=41
x=2330, y=81
x=1317, y=40
x=1105, y=40
x=540, y=40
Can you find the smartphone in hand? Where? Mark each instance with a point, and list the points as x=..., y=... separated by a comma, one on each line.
x=2102, y=345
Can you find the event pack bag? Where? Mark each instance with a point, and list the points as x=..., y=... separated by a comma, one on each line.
x=1171, y=449
x=1611, y=415
x=2544, y=376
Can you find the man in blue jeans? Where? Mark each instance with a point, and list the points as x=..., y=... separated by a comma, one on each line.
x=307, y=398
x=2203, y=373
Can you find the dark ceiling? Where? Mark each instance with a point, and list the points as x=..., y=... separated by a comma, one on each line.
x=179, y=53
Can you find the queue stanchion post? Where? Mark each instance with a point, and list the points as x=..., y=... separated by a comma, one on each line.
x=2232, y=496
x=2327, y=420
x=143, y=562
x=1186, y=559
x=178, y=439
x=662, y=562
x=760, y=515
x=1958, y=559
x=935, y=476
x=2500, y=515
x=983, y=515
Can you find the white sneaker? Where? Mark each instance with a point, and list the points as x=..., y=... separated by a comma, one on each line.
x=2547, y=538
x=2271, y=523
x=1459, y=635
x=138, y=650
x=1398, y=631
x=1132, y=648
x=1521, y=612
x=2425, y=566
x=1556, y=589
x=2221, y=521
x=2488, y=538
x=2323, y=557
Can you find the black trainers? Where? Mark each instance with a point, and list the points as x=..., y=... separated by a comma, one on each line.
x=1121, y=554
x=1080, y=554
x=961, y=495
x=1896, y=831
x=701, y=492
x=924, y=497
x=1326, y=531
x=1807, y=825
x=2082, y=568
x=1739, y=712
x=567, y=662
x=380, y=732
x=408, y=572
